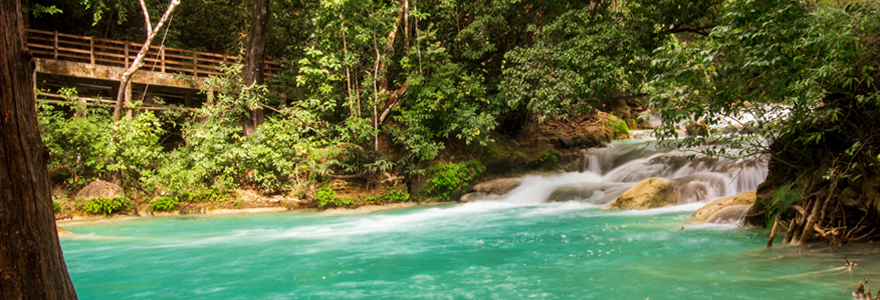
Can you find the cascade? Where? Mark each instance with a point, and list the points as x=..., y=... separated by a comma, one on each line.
x=610, y=171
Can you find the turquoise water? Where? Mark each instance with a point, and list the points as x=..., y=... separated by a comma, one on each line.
x=481, y=250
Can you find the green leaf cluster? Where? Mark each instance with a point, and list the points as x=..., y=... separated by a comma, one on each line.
x=163, y=204
x=105, y=206
x=449, y=178
x=326, y=197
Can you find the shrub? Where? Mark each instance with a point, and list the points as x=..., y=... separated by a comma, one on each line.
x=449, y=177
x=395, y=195
x=56, y=206
x=164, y=204
x=326, y=196
x=390, y=196
x=206, y=196
x=105, y=206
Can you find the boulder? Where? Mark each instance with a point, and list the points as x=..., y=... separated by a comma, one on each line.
x=649, y=193
x=100, y=189
x=571, y=193
x=498, y=186
x=727, y=209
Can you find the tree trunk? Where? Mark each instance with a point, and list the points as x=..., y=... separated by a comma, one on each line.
x=253, y=63
x=31, y=263
x=125, y=81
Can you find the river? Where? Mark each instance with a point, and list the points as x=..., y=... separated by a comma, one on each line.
x=519, y=246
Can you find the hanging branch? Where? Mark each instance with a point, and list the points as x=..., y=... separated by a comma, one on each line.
x=139, y=60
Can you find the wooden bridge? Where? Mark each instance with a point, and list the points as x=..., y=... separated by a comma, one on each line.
x=93, y=64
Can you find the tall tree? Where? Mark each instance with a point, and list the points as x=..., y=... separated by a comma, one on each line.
x=31, y=263
x=253, y=61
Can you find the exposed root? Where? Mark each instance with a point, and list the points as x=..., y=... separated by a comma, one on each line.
x=864, y=292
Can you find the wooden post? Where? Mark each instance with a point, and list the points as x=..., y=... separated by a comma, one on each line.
x=91, y=50
x=162, y=54
x=128, y=99
x=195, y=64
x=224, y=60
x=126, y=54
x=55, y=46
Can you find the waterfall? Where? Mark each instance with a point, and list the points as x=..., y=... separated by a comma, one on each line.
x=608, y=172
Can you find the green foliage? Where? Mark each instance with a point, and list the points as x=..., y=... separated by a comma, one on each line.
x=104, y=206
x=784, y=197
x=394, y=195
x=218, y=156
x=549, y=159
x=163, y=204
x=619, y=129
x=84, y=147
x=205, y=196
x=593, y=56
x=784, y=66
x=326, y=197
x=447, y=178
x=56, y=206
x=39, y=10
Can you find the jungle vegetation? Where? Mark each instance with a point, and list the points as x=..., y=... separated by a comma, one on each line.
x=370, y=86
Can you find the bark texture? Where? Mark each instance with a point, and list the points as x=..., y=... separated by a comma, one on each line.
x=31, y=263
x=253, y=64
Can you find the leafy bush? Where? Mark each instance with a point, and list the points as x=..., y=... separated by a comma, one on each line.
x=394, y=195
x=164, y=204
x=56, y=206
x=83, y=147
x=105, y=206
x=450, y=177
x=326, y=196
x=205, y=196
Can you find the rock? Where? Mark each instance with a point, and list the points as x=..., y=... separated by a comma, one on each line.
x=475, y=196
x=63, y=232
x=570, y=193
x=498, y=186
x=696, y=128
x=699, y=187
x=732, y=208
x=144, y=210
x=649, y=193
x=730, y=214
x=99, y=189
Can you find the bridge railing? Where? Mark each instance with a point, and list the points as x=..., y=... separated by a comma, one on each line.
x=87, y=49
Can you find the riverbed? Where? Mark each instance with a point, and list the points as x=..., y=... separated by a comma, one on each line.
x=482, y=250
x=525, y=244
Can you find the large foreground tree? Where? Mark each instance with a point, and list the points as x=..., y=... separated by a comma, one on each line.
x=31, y=263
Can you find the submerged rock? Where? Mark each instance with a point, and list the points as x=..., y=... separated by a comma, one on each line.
x=476, y=196
x=728, y=209
x=571, y=193
x=100, y=189
x=649, y=193
x=498, y=186
x=594, y=193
